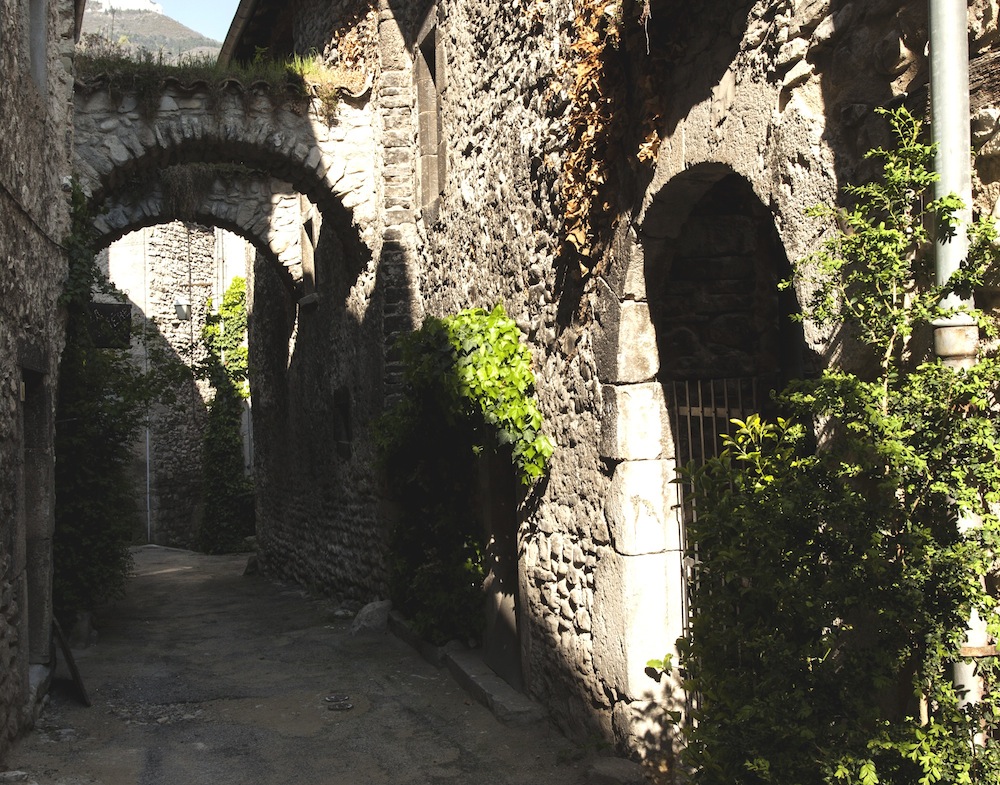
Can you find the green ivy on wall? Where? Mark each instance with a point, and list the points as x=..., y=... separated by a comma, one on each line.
x=468, y=388
x=103, y=401
x=229, y=499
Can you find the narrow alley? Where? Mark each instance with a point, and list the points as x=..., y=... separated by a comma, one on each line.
x=204, y=675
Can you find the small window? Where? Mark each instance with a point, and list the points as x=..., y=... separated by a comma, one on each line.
x=111, y=325
x=429, y=78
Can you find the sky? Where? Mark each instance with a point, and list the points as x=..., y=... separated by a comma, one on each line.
x=209, y=17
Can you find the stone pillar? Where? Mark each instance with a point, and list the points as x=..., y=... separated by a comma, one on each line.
x=639, y=583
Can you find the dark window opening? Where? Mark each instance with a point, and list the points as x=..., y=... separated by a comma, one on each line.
x=111, y=325
x=429, y=78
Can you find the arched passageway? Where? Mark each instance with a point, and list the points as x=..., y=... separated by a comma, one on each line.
x=302, y=192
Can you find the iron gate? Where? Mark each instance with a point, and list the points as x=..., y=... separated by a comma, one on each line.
x=701, y=414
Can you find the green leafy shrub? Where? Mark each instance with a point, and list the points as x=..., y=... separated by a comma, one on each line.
x=469, y=388
x=229, y=498
x=103, y=399
x=834, y=584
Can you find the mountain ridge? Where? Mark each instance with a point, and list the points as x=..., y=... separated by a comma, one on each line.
x=149, y=30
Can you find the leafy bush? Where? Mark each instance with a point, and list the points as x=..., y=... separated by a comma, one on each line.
x=834, y=585
x=102, y=403
x=469, y=388
x=229, y=499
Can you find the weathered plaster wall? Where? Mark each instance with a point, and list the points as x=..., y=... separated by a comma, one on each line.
x=35, y=129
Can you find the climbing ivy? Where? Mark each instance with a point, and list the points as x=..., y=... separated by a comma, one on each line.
x=477, y=365
x=834, y=583
x=468, y=388
x=103, y=400
x=225, y=337
x=594, y=129
x=229, y=499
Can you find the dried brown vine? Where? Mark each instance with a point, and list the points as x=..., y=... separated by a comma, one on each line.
x=594, y=125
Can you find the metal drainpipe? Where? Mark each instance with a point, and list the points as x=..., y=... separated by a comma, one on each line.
x=956, y=338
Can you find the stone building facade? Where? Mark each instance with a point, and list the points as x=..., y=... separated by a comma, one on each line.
x=450, y=176
x=728, y=121
x=36, y=50
x=169, y=274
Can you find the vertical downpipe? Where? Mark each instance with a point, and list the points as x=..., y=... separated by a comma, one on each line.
x=145, y=370
x=955, y=338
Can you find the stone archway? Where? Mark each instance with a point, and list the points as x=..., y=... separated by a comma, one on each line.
x=696, y=299
x=316, y=327
x=117, y=137
x=263, y=210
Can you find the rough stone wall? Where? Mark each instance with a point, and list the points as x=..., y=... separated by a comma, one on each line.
x=181, y=259
x=155, y=268
x=494, y=240
x=35, y=129
x=181, y=264
x=119, y=140
x=779, y=95
x=316, y=350
x=344, y=33
x=316, y=377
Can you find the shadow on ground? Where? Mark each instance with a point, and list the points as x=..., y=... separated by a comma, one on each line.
x=204, y=675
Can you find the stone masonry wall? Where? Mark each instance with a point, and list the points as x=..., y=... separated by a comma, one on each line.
x=450, y=170
x=316, y=377
x=181, y=259
x=35, y=129
x=494, y=240
x=155, y=268
x=779, y=95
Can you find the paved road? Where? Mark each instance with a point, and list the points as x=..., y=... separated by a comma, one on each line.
x=202, y=675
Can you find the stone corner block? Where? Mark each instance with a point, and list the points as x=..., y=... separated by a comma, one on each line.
x=640, y=508
x=635, y=423
x=626, y=345
x=638, y=615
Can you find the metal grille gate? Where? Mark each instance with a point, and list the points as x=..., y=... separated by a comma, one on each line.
x=701, y=413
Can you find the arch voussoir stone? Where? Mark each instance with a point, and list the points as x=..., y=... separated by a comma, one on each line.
x=245, y=205
x=117, y=142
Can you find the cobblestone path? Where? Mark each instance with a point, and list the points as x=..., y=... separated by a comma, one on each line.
x=204, y=675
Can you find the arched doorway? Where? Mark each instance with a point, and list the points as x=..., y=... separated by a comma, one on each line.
x=723, y=333
x=691, y=332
